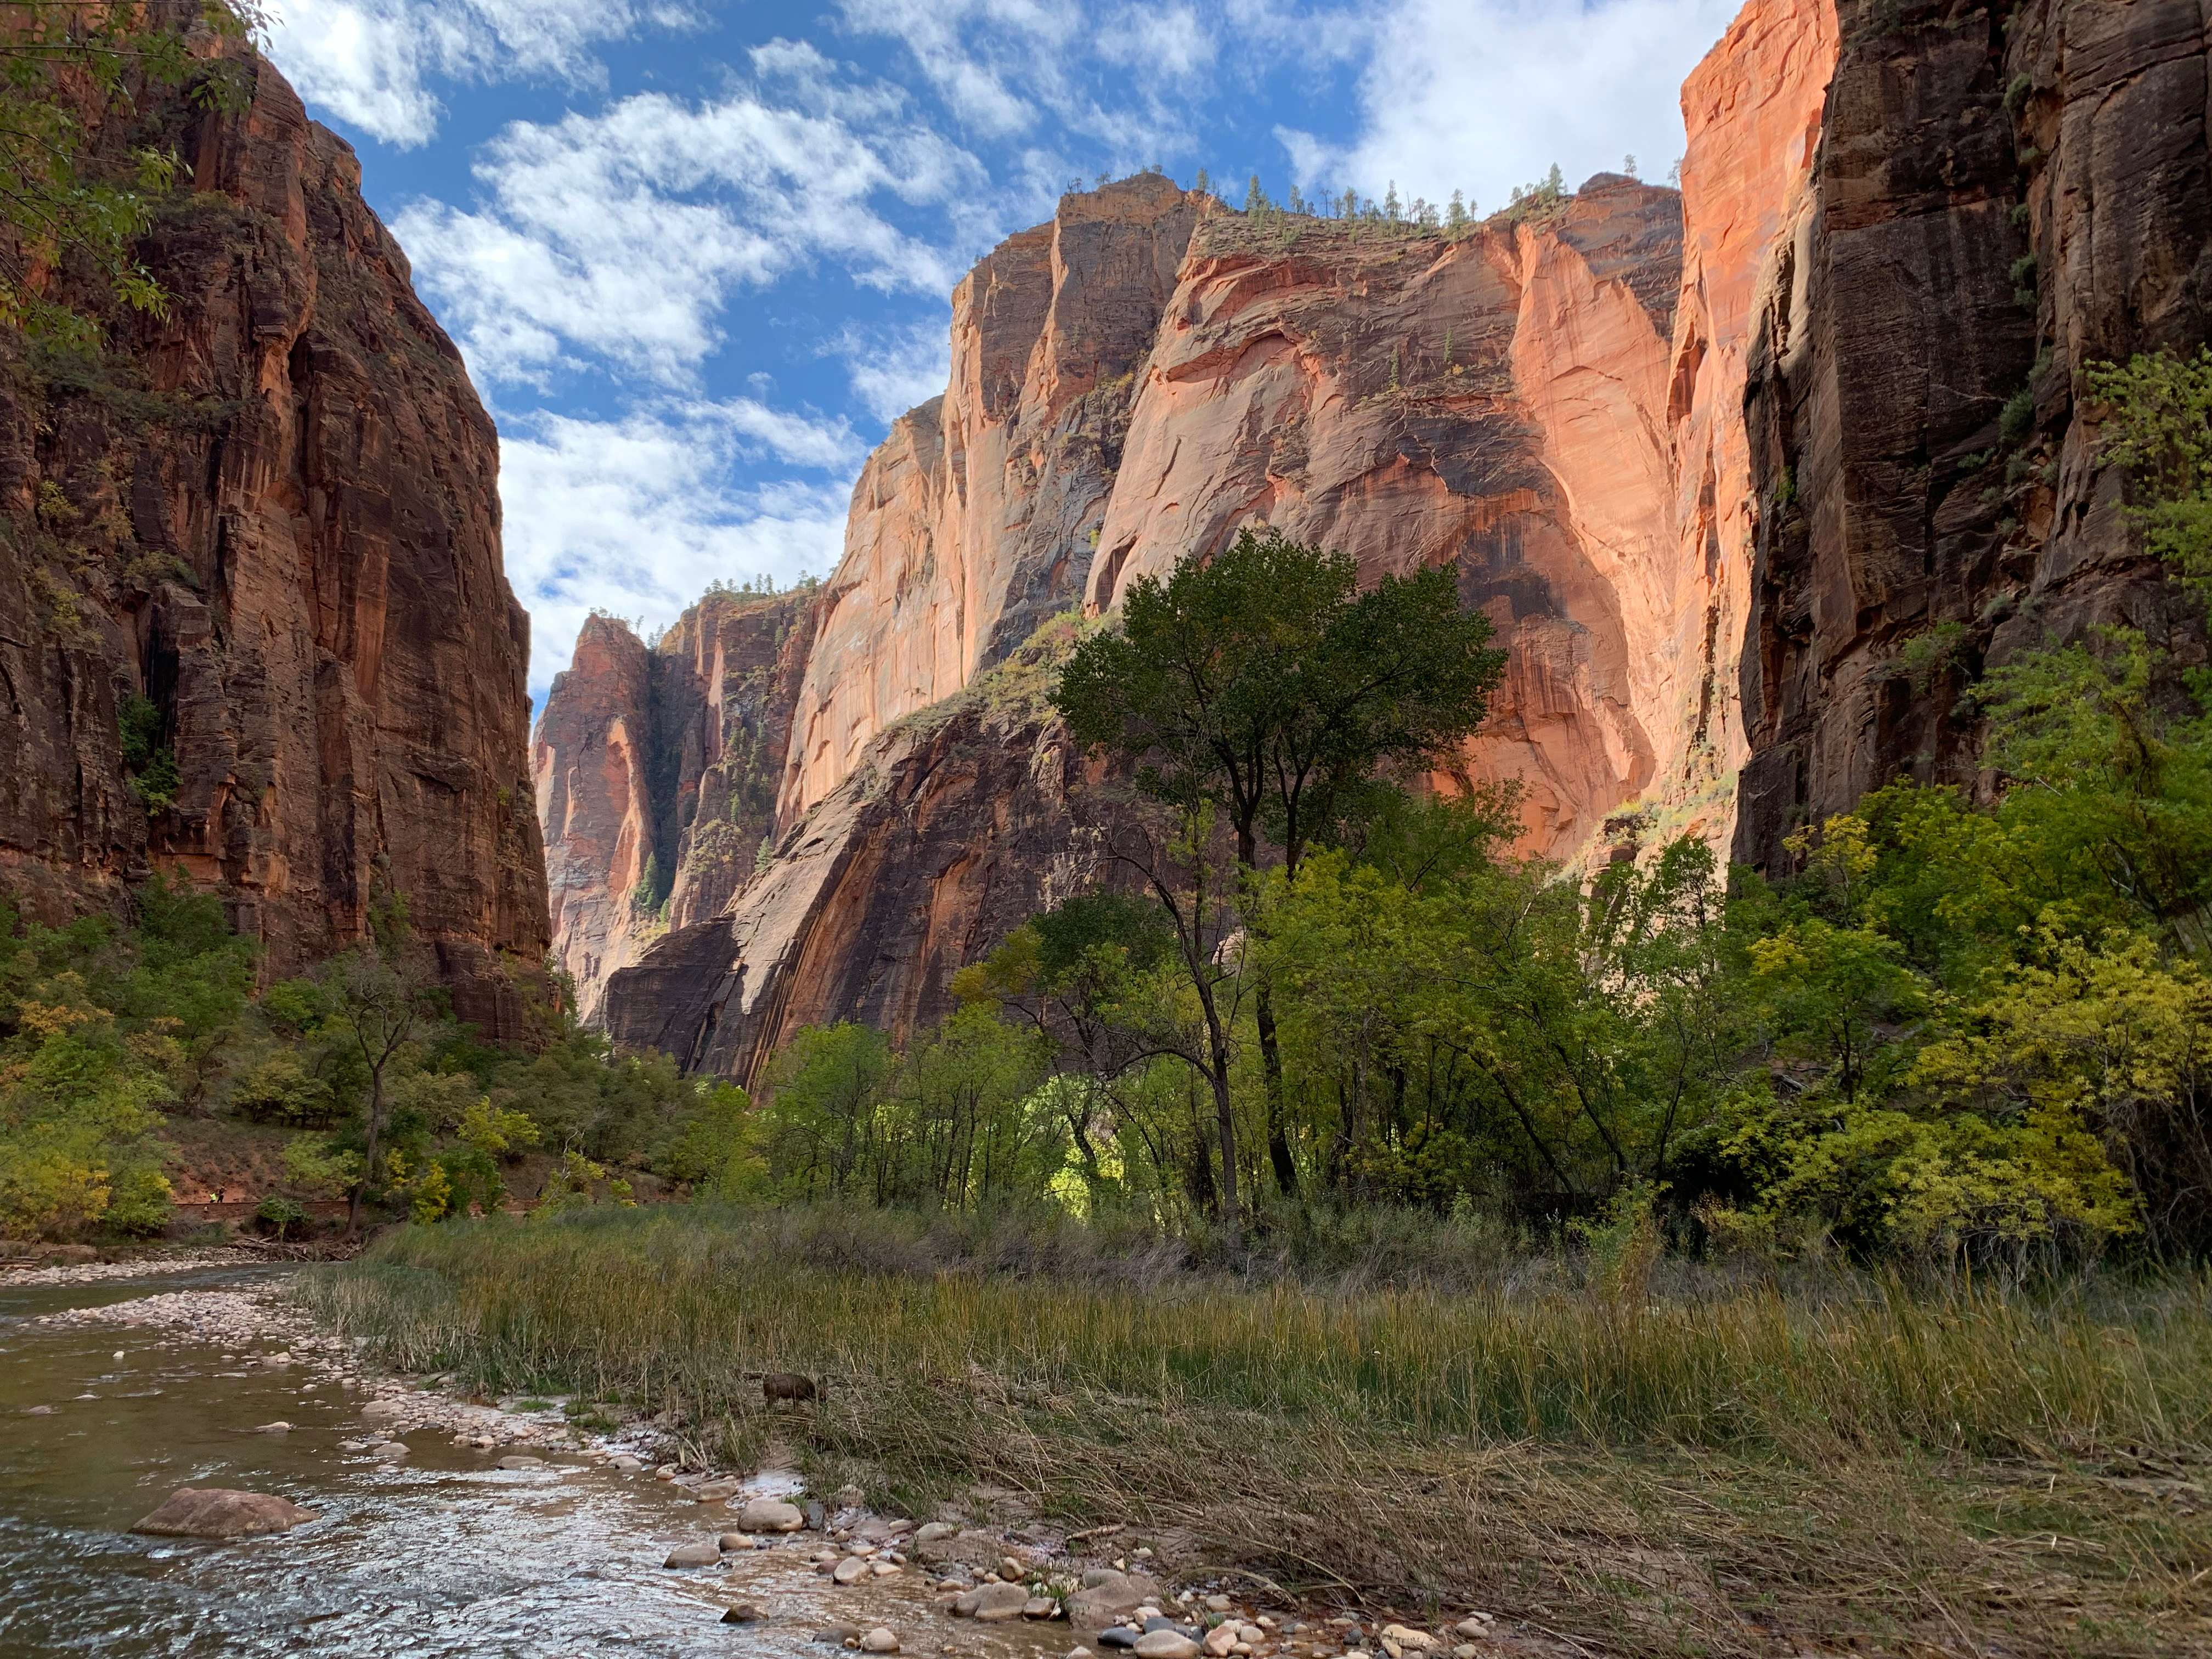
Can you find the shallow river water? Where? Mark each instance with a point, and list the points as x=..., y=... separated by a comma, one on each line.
x=442, y=1554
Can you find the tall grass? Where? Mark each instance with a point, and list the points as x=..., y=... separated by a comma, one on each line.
x=633, y=1304
x=1710, y=1464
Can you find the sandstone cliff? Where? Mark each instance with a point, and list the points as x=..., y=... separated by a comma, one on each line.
x=2002, y=197
x=273, y=515
x=1767, y=493
x=657, y=769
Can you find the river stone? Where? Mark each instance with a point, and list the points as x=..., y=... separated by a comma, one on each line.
x=714, y=1491
x=1219, y=1640
x=694, y=1555
x=392, y=1451
x=745, y=1613
x=1040, y=1607
x=1107, y=1594
x=838, y=1635
x=770, y=1515
x=1117, y=1636
x=932, y=1530
x=626, y=1464
x=879, y=1640
x=739, y=1541
x=38, y=1411
x=278, y=1427
x=1411, y=1640
x=519, y=1461
x=850, y=1571
x=1166, y=1644
x=999, y=1601
x=215, y=1512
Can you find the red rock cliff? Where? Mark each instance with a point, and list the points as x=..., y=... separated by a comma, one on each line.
x=274, y=514
x=2002, y=195
x=657, y=769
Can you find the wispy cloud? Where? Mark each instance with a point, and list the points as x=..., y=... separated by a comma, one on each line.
x=371, y=63
x=637, y=515
x=624, y=235
x=1484, y=95
x=892, y=369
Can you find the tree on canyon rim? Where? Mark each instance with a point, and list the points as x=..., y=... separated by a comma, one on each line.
x=1262, y=685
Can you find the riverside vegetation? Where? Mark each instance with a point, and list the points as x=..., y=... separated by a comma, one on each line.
x=1672, y=1261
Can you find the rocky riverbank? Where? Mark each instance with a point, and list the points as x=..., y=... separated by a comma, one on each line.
x=982, y=1577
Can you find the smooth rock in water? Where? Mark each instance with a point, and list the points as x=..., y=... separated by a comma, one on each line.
x=838, y=1635
x=626, y=1464
x=278, y=1427
x=392, y=1451
x=850, y=1571
x=770, y=1515
x=1117, y=1636
x=992, y=1602
x=38, y=1411
x=1040, y=1607
x=1166, y=1644
x=519, y=1462
x=215, y=1512
x=883, y=1569
x=376, y=1410
x=745, y=1613
x=739, y=1541
x=714, y=1491
x=694, y=1555
x=879, y=1640
x=1106, y=1594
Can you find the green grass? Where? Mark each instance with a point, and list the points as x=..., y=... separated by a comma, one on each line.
x=1720, y=1464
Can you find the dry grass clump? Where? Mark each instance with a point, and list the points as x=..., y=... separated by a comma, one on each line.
x=1721, y=1466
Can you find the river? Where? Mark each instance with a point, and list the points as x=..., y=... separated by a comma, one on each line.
x=442, y=1554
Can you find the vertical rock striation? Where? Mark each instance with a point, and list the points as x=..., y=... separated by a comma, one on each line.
x=2002, y=197
x=273, y=513
x=657, y=769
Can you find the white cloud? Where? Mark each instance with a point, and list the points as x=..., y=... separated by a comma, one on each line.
x=623, y=235
x=892, y=369
x=369, y=63
x=1484, y=95
x=636, y=516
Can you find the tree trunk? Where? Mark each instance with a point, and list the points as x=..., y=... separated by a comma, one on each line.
x=368, y=1163
x=1271, y=1064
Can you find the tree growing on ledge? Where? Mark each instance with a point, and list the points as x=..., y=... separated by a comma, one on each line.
x=1262, y=686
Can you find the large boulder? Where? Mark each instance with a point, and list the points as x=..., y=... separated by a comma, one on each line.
x=215, y=1512
x=1107, y=1595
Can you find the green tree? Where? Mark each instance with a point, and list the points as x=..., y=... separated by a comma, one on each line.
x=67, y=68
x=384, y=1001
x=1264, y=682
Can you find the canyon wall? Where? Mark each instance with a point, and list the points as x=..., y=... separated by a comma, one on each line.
x=2002, y=197
x=657, y=769
x=271, y=513
x=1754, y=480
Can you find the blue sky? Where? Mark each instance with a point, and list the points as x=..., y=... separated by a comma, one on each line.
x=698, y=252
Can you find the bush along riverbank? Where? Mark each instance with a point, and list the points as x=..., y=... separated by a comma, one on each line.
x=1617, y=1453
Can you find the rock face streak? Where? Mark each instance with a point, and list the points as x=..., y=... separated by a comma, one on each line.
x=1710, y=460
x=275, y=515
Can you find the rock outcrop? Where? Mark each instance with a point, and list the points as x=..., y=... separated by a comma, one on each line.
x=2002, y=197
x=975, y=520
x=265, y=528
x=657, y=769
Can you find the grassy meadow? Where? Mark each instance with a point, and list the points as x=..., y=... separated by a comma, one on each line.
x=1637, y=1458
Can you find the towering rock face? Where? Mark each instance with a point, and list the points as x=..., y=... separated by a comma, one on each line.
x=1762, y=477
x=975, y=520
x=657, y=769
x=954, y=828
x=272, y=514
x=1496, y=398
x=1994, y=208
x=1751, y=111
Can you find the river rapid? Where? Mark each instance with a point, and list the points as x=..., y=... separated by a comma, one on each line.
x=442, y=1553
